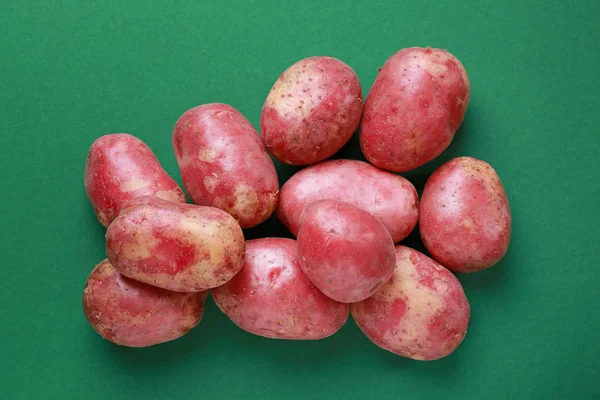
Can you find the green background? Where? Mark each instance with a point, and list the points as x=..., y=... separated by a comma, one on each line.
x=72, y=71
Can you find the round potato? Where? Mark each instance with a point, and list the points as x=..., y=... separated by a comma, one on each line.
x=389, y=197
x=180, y=247
x=345, y=251
x=465, y=216
x=312, y=111
x=420, y=313
x=414, y=108
x=135, y=314
x=224, y=163
x=119, y=168
x=272, y=297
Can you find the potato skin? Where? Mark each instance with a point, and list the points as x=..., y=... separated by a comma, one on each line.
x=465, y=216
x=180, y=247
x=312, y=110
x=272, y=297
x=224, y=163
x=119, y=168
x=414, y=108
x=391, y=198
x=345, y=251
x=134, y=314
x=420, y=313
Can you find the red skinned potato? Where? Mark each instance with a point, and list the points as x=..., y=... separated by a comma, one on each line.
x=119, y=168
x=180, y=247
x=134, y=314
x=345, y=251
x=414, y=108
x=465, y=216
x=272, y=297
x=390, y=198
x=312, y=111
x=224, y=163
x=420, y=313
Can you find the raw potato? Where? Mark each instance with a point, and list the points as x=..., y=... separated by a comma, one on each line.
x=390, y=198
x=312, y=111
x=119, y=168
x=414, y=108
x=135, y=314
x=224, y=163
x=420, y=313
x=180, y=247
x=345, y=251
x=465, y=216
x=272, y=297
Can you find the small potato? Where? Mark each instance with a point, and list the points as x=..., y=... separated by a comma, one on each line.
x=272, y=297
x=121, y=167
x=390, y=198
x=345, y=251
x=312, y=111
x=180, y=247
x=420, y=313
x=414, y=108
x=465, y=217
x=224, y=163
x=135, y=314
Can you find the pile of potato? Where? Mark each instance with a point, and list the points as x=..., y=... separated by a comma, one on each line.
x=164, y=255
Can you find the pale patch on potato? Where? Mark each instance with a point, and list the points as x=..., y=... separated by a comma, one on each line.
x=174, y=195
x=140, y=246
x=246, y=201
x=135, y=184
x=207, y=155
x=469, y=224
x=211, y=182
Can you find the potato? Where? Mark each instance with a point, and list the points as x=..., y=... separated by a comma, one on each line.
x=224, y=164
x=121, y=167
x=272, y=297
x=345, y=251
x=135, y=314
x=465, y=216
x=420, y=313
x=390, y=198
x=414, y=108
x=312, y=111
x=180, y=247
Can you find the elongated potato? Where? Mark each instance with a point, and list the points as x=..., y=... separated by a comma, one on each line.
x=131, y=313
x=465, y=216
x=272, y=297
x=119, y=168
x=390, y=198
x=420, y=313
x=414, y=108
x=180, y=247
x=224, y=163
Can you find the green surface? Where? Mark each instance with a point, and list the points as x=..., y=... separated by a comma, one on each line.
x=71, y=71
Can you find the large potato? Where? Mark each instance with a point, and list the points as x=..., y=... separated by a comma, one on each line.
x=224, y=164
x=390, y=198
x=119, y=168
x=465, y=218
x=181, y=247
x=131, y=313
x=312, y=111
x=414, y=108
x=345, y=251
x=420, y=313
x=272, y=297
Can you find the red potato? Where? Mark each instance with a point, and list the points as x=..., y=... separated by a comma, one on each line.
x=420, y=313
x=180, y=247
x=345, y=251
x=414, y=108
x=312, y=111
x=134, y=314
x=465, y=216
x=224, y=163
x=272, y=297
x=390, y=198
x=119, y=168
